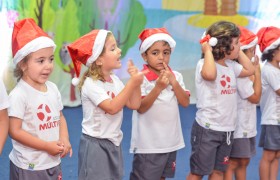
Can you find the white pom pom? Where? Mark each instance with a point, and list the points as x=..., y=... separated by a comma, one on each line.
x=75, y=81
x=213, y=41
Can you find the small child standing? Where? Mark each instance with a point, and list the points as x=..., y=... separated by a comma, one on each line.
x=37, y=126
x=249, y=94
x=103, y=97
x=215, y=80
x=269, y=43
x=156, y=125
x=4, y=119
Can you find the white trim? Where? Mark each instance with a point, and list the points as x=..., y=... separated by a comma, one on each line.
x=32, y=46
x=251, y=44
x=272, y=45
x=149, y=41
x=98, y=46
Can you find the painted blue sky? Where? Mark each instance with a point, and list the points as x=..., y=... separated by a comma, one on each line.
x=151, y=4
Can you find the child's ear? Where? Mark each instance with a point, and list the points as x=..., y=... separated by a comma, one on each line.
x=144, y=56
x=99, y=62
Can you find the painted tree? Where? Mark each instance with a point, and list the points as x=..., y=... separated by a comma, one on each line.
x=228, y=8
x=210, y=7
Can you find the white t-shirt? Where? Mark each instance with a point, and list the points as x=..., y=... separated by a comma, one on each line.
x=246, y=126
x=158, y=130
x=4, y=103
x=217, y=100
x=40, y=115
x=270, y=101
x=96, y=122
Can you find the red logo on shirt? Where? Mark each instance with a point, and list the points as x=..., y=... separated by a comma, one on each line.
x=225, y=81
x=44, y=112
x=111, y=94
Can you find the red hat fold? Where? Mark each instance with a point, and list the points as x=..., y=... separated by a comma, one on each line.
x=269, y=38
x=150, y=36
x=28, y=37
x=86, y=50
x=247, y=38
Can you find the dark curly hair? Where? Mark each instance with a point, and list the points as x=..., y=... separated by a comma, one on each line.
x=269, y=55
x=224, y=31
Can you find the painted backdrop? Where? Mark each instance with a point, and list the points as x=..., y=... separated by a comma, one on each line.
x=186, y=20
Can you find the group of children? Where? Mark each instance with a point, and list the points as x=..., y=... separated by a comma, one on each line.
x=229, y=84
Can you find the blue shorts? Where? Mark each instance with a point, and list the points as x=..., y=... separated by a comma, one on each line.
x=210, y=150
x=243, y=148
x=270, y=137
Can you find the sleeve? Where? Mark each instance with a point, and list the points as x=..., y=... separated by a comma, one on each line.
x=57, y=93
x=17, y=103
x=4, y=103
x=273, y=79
x=237, y=68
x=94, y=91
x=198, y=77
x=245, y=87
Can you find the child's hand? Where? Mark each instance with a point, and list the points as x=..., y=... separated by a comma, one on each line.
x=206, y=47
x=162, y=81
x=54, y=148
x=67, y=148
x=256, y=64
x=169, y=74
x=136, y=76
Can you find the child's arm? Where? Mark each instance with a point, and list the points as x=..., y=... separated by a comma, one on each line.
x=208, y=71
x=180, y=93
x=248, y=68
x=161, y=83
x=17, y=133
x=112, y=106
x=4, y=127
x=64, y=136
x=255, y=98
x=134, y=100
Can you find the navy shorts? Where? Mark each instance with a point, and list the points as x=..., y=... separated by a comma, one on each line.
x=210, y=150
x=243, y=148
x=153, y=166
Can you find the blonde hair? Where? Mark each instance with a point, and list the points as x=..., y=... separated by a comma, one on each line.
x=94, y=71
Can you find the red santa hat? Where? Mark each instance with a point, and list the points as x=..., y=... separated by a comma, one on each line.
x=28, y=37
x=269, y=38
x=247, y=38
x=149, y=36
x=86, y=50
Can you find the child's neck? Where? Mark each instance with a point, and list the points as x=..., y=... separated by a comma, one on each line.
x=153, y=69
x=275, y=63
x=222, y=62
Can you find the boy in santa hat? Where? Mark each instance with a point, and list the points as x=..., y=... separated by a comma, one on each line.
x=37, y=126
x=156, y=125
x=269, y=43
x=103, y=97
x=248, y=94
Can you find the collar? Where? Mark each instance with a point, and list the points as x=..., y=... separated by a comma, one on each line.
x=151, y=76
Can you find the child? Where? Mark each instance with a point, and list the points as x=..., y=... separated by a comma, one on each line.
x=249, y=94
x=269, y=43
x=156, y=125
x=211, y=136
x=103, y=97
x=4, y=119
x=37, y=126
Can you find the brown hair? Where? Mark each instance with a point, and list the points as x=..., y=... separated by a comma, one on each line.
x=224, y=32
x=94, y=71
x=18, y=72
x=270, y=54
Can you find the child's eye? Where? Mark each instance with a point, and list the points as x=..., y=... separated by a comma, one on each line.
x=167, y=52
x=155, y=53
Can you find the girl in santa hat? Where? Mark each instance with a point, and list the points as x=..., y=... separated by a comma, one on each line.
x=249, y=94
x=156, y=125
x=269, y=43
x=37, y=126
x=103, y=97
x=4, y=119
x=215, y=80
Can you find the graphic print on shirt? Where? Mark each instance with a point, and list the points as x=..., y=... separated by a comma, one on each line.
x=226, y=88
x=111, y=94
x=44, y=115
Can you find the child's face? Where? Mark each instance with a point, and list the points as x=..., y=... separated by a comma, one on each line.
x=158, y=53
x=38, y=68
x=250, y=53
x=276, y=54
x=110, y=59
x=235, y=45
